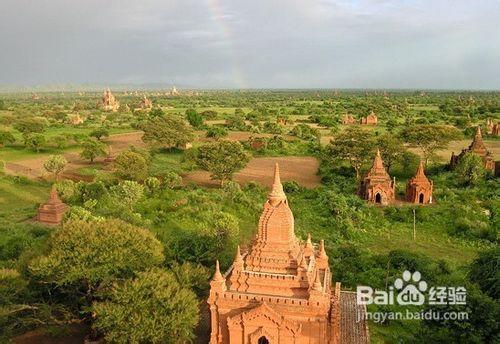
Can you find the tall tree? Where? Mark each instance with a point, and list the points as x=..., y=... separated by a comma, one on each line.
x=470, y=169
x=391, y=148
x=355, y=145
x=92, y=149
x=222, y=159
x=429, y=138
x=55, y=164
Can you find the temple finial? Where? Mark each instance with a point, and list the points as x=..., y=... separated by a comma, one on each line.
x=317, y=282
x=238, y=259
x=322, y=252
x=277, y=194
x=217, y=275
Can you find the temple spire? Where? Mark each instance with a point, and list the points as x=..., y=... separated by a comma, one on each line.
x=238, y=259
x=378, y=163
x=277, y=194
x=317, y=282
x=322, y=252
x=217, y=275
x=420, y=171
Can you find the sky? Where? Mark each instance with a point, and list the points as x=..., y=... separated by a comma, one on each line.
x=432, y=44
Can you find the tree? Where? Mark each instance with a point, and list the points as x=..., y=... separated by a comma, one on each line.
x=222, y=159
x=2, y=104
x=167, y=132
x=429, y=138
x=391, y=148
x=484, y=271
x=194, y=118
x=131, y=165
x=470, y=169
x=34, y=141
x=92, y=149
x=152, y=308
x=156, y=112
x=30, y=125
x=99, y=133
x=354, y=145
x=6, y=138
x=127, y=193
x=55, y=164
x=84, y=254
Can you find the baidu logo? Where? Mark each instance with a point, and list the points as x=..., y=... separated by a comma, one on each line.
x=411, y=289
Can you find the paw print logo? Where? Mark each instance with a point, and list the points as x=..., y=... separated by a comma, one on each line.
x=410, y=288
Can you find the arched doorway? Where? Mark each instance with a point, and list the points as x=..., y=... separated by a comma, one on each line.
x=378, y=198
x=421, y=198
x=263, y=340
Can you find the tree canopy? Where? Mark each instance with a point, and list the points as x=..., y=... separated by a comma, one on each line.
x=152, y=308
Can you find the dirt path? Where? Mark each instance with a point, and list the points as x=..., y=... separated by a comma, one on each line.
x=303, y=170
x=33, y=167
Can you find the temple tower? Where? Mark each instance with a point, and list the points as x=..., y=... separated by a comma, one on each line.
x=109, y=102
x=476, y=147
x=419, y=188
x=377, y=186
x=280, y=291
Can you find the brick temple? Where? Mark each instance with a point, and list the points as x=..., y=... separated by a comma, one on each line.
x=477, y=147
x=419, y=188
x=377, y=186
x=280, y=292
x=52, y=211
x=109, y=102
x=371, y=119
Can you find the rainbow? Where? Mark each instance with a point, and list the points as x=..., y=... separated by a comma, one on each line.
x=218, y=14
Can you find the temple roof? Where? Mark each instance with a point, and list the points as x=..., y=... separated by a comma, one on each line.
x=477, y=144
x=420, y=174
x=378, y=169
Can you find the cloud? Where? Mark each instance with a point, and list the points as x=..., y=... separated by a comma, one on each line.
x=262, y=43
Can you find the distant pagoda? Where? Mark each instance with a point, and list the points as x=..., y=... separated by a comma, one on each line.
x=476, y=147
x=109, y=102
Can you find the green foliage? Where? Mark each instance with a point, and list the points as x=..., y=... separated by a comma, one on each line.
x=85, y=254
x=156, y=112
x=152, y=308
x=486, y=273
x=353, y=145
x=29, y=125
x=99, y=133
x=429, y=138
x=127, y=193
x=470, y=169
x=167, y=132
x=172, y=180
x=222, y=159
x=55, y=164
x=6, y=138
x=391, y=149
x=194, y=118
x=34, y=141
x=131, y=165
x=216, y=132
x=305, y=132
x=93, y=149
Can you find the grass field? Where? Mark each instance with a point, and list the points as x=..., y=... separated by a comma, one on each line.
x=18, y=200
